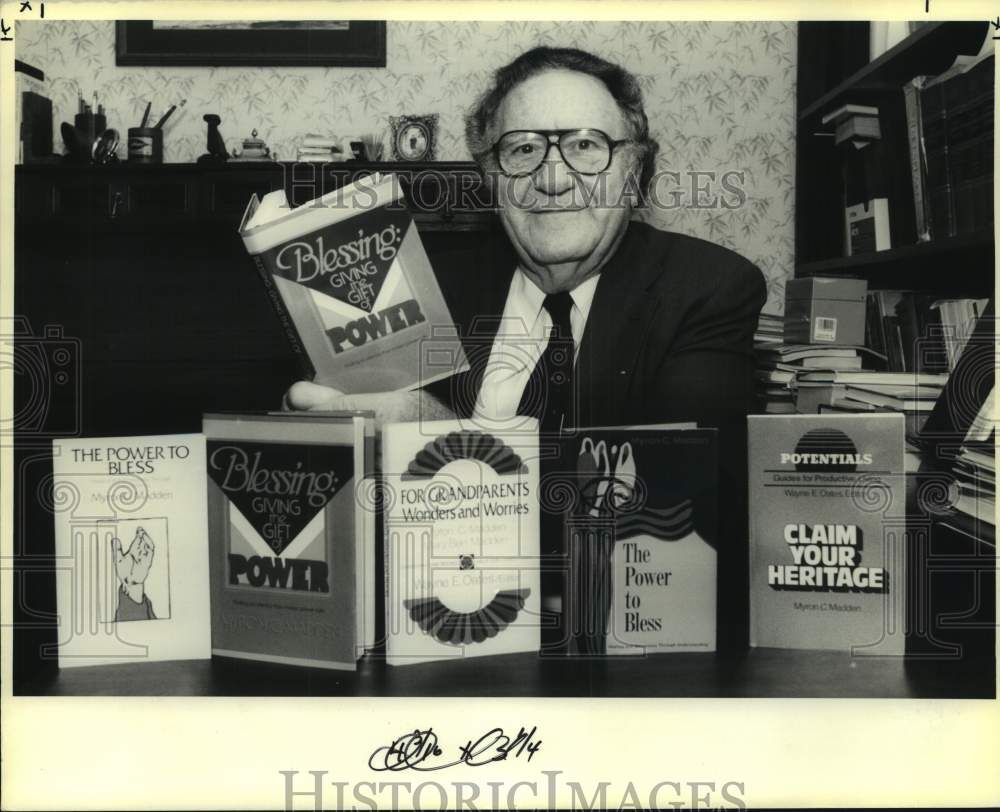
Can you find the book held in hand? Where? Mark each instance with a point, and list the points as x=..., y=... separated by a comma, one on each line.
x=461, y=536
x=827, y=531
x=351, y=283
x=131, y=548
x=289, y=538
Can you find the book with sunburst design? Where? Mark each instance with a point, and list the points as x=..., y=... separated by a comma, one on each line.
x=461, y=533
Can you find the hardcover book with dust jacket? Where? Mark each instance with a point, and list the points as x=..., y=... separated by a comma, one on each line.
x=352, y=286
x=461, y=536
x=290, y=536
x=640, y=539
x=131, y=545
x=827, y=532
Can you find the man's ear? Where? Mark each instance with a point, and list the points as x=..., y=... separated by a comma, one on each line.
x=633, y=191
x=646, y=153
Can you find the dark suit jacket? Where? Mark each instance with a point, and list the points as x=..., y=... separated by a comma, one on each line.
x=668, y=339
x=669, y=336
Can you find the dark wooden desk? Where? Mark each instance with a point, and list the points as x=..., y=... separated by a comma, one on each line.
x=756, y=673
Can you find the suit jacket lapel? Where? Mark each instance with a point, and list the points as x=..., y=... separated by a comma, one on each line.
x=619, y=321
x=620, y=317
x=485, y=298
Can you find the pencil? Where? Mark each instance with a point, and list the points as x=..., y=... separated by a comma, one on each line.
x=162, y=121
x=145, y=116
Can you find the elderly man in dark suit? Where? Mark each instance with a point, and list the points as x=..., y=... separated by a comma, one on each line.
x=578, y=315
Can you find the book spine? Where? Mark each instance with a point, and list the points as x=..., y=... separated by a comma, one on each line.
x=940, y=194
x=915, y=138
x=284, y=317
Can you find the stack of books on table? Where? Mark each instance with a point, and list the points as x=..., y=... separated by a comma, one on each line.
x=912, y=393
x=320, y=148
x=779, y=364
x=770, y=329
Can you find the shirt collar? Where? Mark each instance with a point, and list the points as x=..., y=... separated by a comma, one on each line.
x=527, y=297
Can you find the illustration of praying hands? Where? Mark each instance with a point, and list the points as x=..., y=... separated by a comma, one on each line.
x=132, y=567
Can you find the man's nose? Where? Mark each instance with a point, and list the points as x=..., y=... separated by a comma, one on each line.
x=553, y=177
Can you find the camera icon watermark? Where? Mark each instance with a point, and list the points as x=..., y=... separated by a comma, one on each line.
x=47, y=382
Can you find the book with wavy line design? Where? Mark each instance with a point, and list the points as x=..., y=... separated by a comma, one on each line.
x=640, y=540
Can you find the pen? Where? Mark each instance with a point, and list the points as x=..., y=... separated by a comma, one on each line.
x=145, y=115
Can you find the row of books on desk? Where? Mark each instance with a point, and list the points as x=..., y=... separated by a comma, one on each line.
x=259, y=539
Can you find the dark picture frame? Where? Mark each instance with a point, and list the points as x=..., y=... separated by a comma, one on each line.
x=362, y=44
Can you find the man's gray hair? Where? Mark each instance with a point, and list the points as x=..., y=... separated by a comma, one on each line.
x=621, y=84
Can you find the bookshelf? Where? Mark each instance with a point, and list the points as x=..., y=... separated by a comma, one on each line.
x=951, y=560
x=967, y=257
x=929, y=51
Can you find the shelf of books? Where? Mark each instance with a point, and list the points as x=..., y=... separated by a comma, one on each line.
x=895, y=165
x=894, y=235
x=928, y=49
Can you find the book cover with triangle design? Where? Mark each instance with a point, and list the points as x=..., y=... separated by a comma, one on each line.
x=351, y=283
x=288, y=537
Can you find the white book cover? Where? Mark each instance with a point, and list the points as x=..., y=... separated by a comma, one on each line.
x=131, y=541
x=461, y=534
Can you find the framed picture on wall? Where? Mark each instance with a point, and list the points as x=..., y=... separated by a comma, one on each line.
x=345, y=43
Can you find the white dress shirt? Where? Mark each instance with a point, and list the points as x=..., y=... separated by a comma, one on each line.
x=520, y=341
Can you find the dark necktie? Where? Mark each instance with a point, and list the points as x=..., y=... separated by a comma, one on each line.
x=548, y=394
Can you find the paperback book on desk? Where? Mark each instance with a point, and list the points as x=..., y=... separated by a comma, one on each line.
x=640, y=540
x=290, y=537
x=461, y=541
x=131, y=545
x=352, y=286
x=827, y=531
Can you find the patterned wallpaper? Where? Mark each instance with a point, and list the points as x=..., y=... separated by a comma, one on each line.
x=720, y=97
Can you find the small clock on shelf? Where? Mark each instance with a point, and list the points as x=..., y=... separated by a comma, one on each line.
x=414, y=138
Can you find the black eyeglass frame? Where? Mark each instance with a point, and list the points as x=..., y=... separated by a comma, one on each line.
x=554, y=138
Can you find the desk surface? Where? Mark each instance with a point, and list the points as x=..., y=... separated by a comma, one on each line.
x=756, y=673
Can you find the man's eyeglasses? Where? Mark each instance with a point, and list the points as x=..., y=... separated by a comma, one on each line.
x=587, y=151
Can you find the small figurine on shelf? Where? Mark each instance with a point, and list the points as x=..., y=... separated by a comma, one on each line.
x=254, y=149
x=216, y=146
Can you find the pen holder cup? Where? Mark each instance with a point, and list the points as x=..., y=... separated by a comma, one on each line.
x=145, y=145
